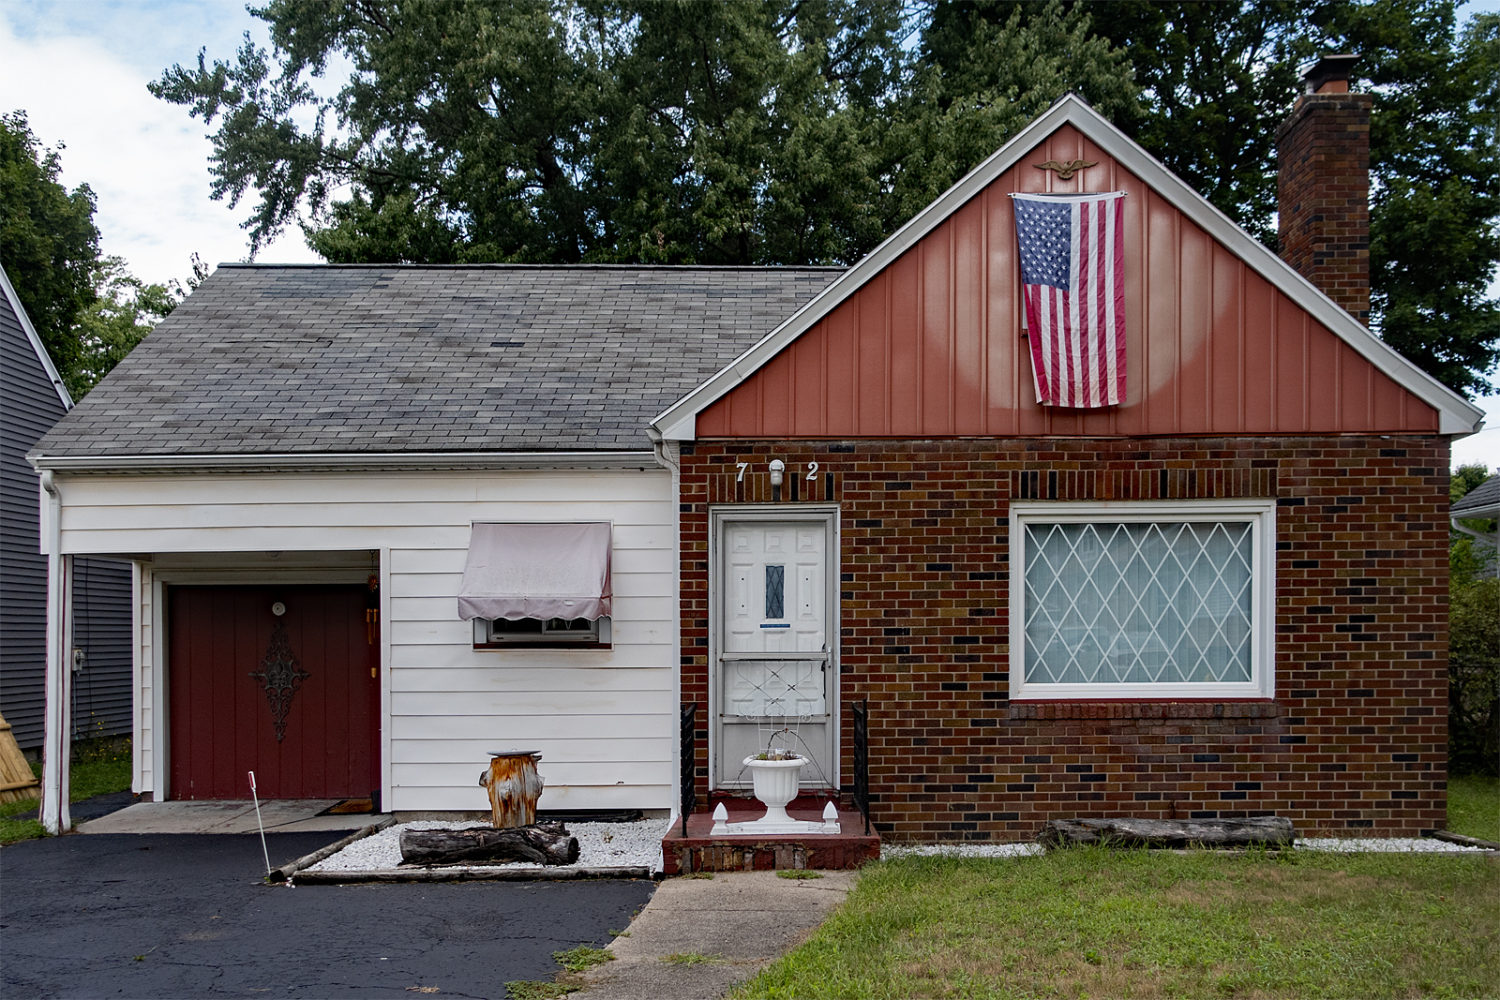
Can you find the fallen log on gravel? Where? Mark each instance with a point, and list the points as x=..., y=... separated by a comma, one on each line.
x=540, y=843
x=1259, y=831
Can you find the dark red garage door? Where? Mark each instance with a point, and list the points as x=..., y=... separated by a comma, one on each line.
x=292, y=696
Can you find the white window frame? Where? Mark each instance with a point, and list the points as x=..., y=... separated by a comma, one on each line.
x=1259, y=514
x=495, y=633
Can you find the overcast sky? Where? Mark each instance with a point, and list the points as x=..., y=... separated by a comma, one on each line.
x=79, y=68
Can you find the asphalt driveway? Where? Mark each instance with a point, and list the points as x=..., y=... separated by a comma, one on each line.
x=166, y=916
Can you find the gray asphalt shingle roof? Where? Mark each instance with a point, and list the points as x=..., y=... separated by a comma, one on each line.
x=1482, y=499
x=311, y=359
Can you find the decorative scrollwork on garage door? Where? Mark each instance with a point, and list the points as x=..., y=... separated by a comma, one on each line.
x=280, y=676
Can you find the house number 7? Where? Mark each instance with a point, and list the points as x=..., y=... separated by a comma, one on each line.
x=812, y=471
x=742, y=466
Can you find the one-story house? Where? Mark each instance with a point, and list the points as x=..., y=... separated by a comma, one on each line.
x=774, y=493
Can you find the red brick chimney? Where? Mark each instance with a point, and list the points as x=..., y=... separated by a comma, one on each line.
x=1323, y=185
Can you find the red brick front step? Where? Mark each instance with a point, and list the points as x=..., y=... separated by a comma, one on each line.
x=698, y=852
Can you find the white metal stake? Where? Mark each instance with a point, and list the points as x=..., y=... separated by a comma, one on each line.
x=256, y=797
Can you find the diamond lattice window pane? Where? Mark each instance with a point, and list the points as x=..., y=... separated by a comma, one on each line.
x=1138, y=603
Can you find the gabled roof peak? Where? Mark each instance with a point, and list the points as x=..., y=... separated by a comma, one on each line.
x=1456, y=415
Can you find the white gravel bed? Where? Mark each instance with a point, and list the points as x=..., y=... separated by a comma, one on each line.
x=1341, y=845
x=1384, y=845
x=600, y=845
x=960, y=850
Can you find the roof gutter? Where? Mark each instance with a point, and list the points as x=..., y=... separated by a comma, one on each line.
x=345, y=461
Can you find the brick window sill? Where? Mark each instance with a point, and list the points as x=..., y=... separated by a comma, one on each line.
x=1144, y=710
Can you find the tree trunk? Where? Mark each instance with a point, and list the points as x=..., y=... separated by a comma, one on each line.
x=541, y=843
x=1268, y=831
x=514, y=787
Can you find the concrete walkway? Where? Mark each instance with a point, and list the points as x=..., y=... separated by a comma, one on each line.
x=739, y=921
x=278, y=816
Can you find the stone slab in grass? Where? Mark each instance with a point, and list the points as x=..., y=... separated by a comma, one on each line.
x=1259, y=831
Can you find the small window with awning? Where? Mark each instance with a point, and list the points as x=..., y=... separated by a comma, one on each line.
x=538, y=584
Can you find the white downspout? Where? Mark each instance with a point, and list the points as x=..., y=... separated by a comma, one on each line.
x=56, y=746
x=667, y=457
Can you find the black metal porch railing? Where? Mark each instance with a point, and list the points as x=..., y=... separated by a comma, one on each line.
x=862, y=760
x=687, y=734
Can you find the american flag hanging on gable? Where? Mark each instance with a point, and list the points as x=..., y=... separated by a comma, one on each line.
x=1072, y=269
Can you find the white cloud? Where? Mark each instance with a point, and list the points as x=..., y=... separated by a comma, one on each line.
x=80, y=71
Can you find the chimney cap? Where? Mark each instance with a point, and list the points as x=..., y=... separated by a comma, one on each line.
x=1327, y=69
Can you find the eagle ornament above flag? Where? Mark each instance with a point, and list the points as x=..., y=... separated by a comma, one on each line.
x=1072, y=269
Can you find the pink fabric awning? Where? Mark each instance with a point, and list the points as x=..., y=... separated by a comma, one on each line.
x=518, y=570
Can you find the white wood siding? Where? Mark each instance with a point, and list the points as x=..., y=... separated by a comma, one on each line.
x=605, y=721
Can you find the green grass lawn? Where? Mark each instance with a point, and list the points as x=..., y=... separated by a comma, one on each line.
x=1474, y=807
x=1098, y=923
x=99, y=767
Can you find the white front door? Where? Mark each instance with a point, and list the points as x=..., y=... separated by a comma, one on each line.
x=775, y=653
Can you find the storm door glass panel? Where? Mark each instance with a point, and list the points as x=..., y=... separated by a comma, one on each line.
x=1138, y=602
x=774, y=688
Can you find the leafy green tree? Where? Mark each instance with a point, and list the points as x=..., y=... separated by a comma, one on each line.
x=798, y=131
x=742, y=133
x=781, y=131
x=49, y=245
x=1218, y=79
x=88, y=310
x=1435, y=197
x=124, y=310
x=984, y=78
x=1473, y=642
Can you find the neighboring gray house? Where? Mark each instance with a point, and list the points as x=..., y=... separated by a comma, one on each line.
x=1482, y=502
x=32, y=399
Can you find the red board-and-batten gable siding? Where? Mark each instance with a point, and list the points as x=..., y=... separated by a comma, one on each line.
x=932, y=346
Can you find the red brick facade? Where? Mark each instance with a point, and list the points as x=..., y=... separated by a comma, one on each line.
x=1353, y=741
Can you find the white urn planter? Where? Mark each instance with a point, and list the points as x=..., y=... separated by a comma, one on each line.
x=775, y=784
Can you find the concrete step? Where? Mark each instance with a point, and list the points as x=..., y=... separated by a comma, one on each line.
x=698, y=851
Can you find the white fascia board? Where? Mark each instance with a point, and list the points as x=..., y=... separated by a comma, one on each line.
x=36, y=341
x=685, y=428
x=1457, y=416
x=347, y=461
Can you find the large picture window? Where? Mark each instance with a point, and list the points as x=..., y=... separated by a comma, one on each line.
x=1129, y=600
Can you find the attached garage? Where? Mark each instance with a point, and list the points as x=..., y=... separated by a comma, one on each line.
x=290, y=433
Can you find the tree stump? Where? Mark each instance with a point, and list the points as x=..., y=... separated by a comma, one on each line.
x=540, y=843
x=1260, y=831
x=514, y=787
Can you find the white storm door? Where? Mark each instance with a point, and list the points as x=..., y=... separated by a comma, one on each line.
x=775, y=655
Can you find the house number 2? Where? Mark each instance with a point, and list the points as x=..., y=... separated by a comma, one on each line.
x=812, y=471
